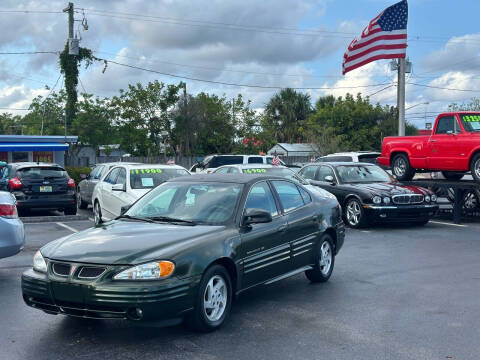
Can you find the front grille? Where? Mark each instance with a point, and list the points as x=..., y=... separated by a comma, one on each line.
x=407, y=199
x=61, y=269
x=90, y=272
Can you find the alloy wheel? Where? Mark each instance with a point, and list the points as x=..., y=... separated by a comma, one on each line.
x=215, y=298
x=476, y=168
x=325, y=258
x=400, y=166
x=96, y=214
x=354, y=213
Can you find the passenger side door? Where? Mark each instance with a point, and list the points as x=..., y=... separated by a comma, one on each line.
x=121, y=197
x=107, y=193
x=265, y=249
x=443, y=145
x=302, y=229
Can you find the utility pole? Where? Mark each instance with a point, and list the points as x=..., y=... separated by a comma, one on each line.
x=401, y=97
x=69, y=9
x=185, y=120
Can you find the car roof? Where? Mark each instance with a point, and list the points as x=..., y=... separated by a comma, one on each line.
x=344, y=163
x=255, y=166
x=352, y=153
x=116, y=163
x=148, y=166
x=225, y=178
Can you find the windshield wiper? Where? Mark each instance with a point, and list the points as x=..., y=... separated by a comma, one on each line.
x=135, y=218
x=171, y=219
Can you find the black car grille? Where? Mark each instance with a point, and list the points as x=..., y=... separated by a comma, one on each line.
x=407, y=199
x=90, y=272
x=61, y=269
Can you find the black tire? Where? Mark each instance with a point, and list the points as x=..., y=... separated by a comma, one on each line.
x=98, y=217
x=421, y=223
x=401, y=168
x=317, y=274
x=70, y=210
x=354, y=214
x=198, y=320
x=453, y=176
x=475, y=167
x=80, y=203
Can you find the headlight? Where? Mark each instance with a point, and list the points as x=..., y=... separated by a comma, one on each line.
x=427, y=198
x=377, y=200
x=386, y=200
x=39, y=263
x=150, y=271
x=434, y=197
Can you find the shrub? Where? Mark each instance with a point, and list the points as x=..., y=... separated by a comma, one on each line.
x=75, y=171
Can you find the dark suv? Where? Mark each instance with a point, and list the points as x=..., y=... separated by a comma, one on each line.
x=39, y=185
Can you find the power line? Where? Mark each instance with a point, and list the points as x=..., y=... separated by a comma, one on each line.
x=29, y=12
x=376, y=92
x=236, y=84
x=7, y=108
x=29, y=52
x=443, y=88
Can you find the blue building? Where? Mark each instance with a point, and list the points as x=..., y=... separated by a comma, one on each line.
x=18, y=148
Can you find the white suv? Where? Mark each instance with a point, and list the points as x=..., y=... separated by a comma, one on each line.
x=354, y=156
x=124, y=184
x=211, y=162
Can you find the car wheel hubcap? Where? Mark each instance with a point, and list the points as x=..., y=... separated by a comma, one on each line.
x=215, y=298
x=470, y=201
x=400, y=167
x=477, y=168
x=325, y=258
x=354, y=213
x=96, y=213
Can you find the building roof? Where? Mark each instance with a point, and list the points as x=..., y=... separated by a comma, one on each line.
x=298, y=147
x=37, y=139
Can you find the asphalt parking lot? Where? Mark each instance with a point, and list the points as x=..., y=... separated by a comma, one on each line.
x=396, y=293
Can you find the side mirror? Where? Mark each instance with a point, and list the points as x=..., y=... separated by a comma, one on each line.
x=124, y=209
x=118, y=187
x=256, y=216
x=329, y=179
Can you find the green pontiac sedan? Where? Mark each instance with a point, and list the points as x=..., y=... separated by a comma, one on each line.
x=186, y=248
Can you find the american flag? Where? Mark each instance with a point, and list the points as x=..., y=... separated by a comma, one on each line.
x=276, y=159
x=385, y=37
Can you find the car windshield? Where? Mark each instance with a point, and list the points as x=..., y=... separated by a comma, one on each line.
x=277, y=171
x=41, y=172
x=471, y=122
x=201, y=203
x=362, y=174
x=147, y=178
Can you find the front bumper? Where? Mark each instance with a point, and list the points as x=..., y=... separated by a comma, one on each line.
x=53, y=201
x=403, y=213
x=107, y=299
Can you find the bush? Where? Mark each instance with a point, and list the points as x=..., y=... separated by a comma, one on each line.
x=75, y=171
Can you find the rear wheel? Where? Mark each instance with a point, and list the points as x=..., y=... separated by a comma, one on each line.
x=70, y=210
x=401, y=168
x=213, y=301
x=354, y=214
x=81, y=204
x=324, y=262
x=453, y=176
x=97, y=213
x=475, y=167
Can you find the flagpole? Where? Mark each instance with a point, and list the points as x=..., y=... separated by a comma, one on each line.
x=401, y=97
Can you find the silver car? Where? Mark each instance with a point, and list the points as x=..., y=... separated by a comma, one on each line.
x=12, y=234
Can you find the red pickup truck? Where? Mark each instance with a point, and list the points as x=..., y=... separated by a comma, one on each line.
x=453, y=148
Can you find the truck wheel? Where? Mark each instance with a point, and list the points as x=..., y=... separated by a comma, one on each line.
x=453, y=176
x=401, y=168
x=475, y=167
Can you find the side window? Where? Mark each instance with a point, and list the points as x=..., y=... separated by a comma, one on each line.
x=99, y=172
x=309, y=172
x=122, y=176
x=255, y=160
x=261, y=197
x=289, y=195
x=324, y=172
x=112, y=176
x=93, y=172
x=446, y=124
x=305, y=195
x=223, y=170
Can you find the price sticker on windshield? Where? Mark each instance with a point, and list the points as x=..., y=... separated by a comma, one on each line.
x=471, y=118
x=254, y=171
x=145, y=171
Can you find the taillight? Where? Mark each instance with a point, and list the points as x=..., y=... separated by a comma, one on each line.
x=71, y=182
x=8, y=211
x=15, y=183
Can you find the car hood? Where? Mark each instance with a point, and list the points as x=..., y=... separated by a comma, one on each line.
x=125, y=242
x=389, y=189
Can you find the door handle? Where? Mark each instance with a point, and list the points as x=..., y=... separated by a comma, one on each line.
x=433, y=140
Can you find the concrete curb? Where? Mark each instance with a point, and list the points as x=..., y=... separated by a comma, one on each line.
x=45, y=219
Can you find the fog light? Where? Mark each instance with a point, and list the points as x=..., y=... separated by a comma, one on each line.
x=135, y=313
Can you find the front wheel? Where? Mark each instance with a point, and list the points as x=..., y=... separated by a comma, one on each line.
x=324, y=261
x=475, y=167
x=453, y=176
x=354, y=214
x=213, y=301
x=401, y=168
x=97, y=213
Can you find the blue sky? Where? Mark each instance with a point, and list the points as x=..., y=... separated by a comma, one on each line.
x=297, y=43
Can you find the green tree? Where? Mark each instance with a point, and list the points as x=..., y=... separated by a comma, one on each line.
x=49, y=111
x=142, y=113
x=10, y=124
x=472, y=105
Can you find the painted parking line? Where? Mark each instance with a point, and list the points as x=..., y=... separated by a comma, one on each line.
x=67, y=227
x=447, y=223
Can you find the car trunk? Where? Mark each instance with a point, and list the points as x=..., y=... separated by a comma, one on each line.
x=43, y=181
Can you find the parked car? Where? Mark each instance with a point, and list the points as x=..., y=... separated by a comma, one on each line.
x=12, y=237
x=272, y=170
x=353, y=156
x=40, y=185
x=186, y=249
x=124, y=184
x=453, y=148
x=85, y=187
x=368, y=194
x=211, y=162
